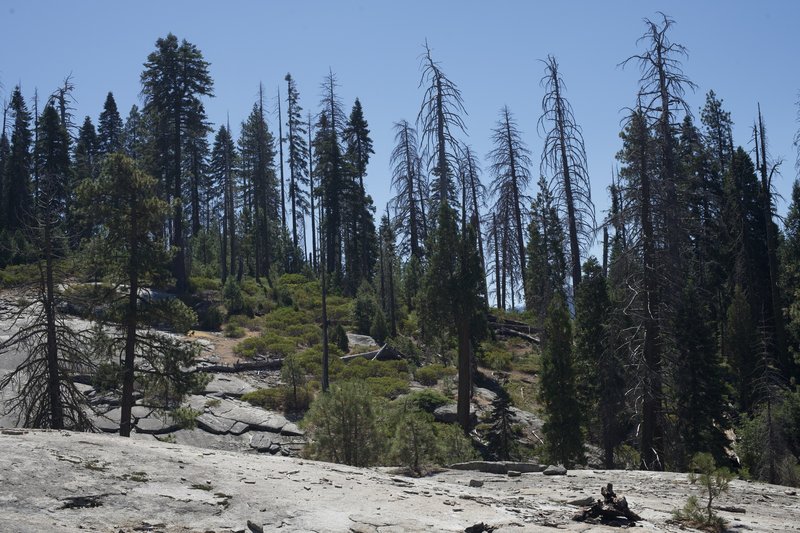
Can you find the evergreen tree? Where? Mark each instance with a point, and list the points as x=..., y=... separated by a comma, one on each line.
x=19, y=189
x=86, y=167
x=298, y=167
x=740, y=340
x=256, y=146
x=5, y=153
x=358, y=148
x=127, y=205
x=223, y=169
x=109, y=127
x=563, y=427
x=175, y=78
x=452, y=298
x=502, y=434
x=717, y=130
x=698, y=386
x=546, y=260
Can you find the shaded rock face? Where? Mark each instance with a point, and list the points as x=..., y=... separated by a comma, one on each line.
x=71, y=482
x=223, y=423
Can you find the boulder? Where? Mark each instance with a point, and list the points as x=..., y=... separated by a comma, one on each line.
x=555, y=470
x=448, y=414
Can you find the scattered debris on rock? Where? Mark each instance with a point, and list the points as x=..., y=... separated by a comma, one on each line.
x=611, y=510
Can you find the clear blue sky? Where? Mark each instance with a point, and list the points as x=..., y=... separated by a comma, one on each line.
x=746, y=52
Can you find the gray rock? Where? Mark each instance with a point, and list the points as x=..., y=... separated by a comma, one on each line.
x=239, y=428
x=514, y=473
x=261, y=442
x=475, y=483
x=224, y=385
x=448, y=414
x=214, y=424
x=498, y=467
x=156, y=425
x=292, y=430
x=140, y=411
x=485, y=393
x=555, y=470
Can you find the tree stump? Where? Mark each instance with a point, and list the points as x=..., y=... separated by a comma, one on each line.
x=611, y=510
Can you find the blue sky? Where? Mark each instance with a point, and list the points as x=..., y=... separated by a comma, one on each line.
x=491, y=50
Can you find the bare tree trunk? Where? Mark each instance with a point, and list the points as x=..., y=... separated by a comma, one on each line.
x=497, y=265
x=574, y=247
x=54, y=377
x=464, y=375
x=130, y=347
x=772, y=256
x=280, y=145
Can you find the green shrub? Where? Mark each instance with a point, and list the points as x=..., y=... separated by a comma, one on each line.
x=714, y=482
x=429, y=375
x=250, y=347
x=366, y=307
x=379, y=330
x=185, y=417
x=497, y=359
x=198, y=283
x=453, y=445
x=339, y=338
x=232, y=296
x=387, y=387
x=360, y=368
x=233, y=331
x=414, y=443
x=271, y=399
x=427, y=400
x=344, y=426
x=212, y=317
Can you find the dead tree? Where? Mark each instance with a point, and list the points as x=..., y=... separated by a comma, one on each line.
x=564, y=160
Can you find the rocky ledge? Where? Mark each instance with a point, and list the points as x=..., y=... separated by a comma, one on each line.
x=62, y=481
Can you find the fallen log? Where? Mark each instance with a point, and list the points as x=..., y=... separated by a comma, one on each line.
x=610, y=510
x=514, y=333
x=271, y=364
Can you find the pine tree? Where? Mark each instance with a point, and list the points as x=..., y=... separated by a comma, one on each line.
x=358, y=148
x=740, y=339
x=256, y=146
x=717, y=130
x=697, y=385
x=175, y=78
x=298, y=166
x=562, y=428
x=502, y=434
x=109, y=127
x=19, y=189
x=126, y=203
x=86, y=167
x=223, y=169
x=452, y=297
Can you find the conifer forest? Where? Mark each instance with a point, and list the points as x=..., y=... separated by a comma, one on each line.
x=492, y=307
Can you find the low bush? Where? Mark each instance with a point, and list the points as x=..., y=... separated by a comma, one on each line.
x=426, y=400
x=429, y=375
